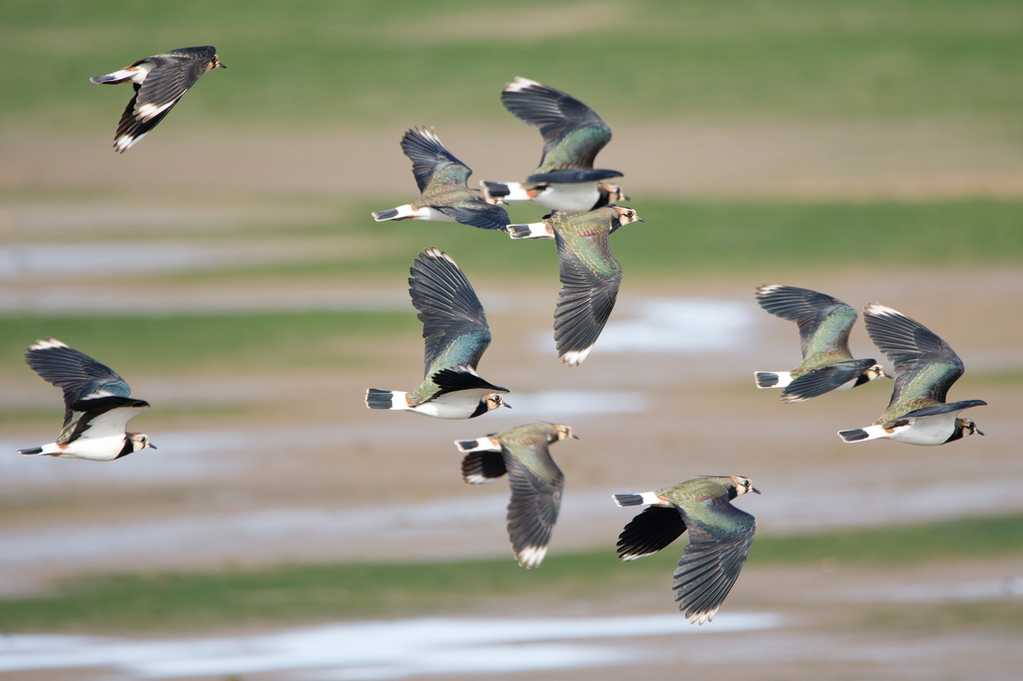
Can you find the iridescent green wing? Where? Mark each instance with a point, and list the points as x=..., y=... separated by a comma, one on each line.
x=925, y=365
x=572, y=132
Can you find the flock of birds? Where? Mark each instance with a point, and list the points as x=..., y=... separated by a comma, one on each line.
x=583, y=214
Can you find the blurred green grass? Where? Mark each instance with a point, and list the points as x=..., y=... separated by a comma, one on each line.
x=681, y=239
x=364, y=63
x=206, y=342
x=677, y=241
x=293, y=593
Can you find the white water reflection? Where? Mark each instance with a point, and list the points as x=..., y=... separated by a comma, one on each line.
x=674, y=325
x=356, y=651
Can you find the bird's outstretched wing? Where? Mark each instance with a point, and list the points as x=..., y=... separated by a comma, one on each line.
x=80, y=376
x=572, y=132
x=454, y=322
x=720, y=536
x=824, y=322
x=590, y=277
x=432, y=164
x=536, y=484
x=925, y=365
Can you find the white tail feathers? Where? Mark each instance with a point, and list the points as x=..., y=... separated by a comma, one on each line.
x=386, y=399
x=482, y=444
x=863, y=434
x=772, y=379
x=507, y=191
x=532, y=230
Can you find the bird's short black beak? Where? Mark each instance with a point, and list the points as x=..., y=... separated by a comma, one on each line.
x=151, y=445
x=505, y=404
x=978, y=431
x=754, y=489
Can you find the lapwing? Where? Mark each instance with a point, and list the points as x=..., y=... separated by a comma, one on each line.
x=536, y=481
x=444, y=195
x=456, y=333
x=720, y=536
x=824, y=324
x=97, y=406
x=590, y=273
x=572, y=133
x=159, y=83
x=925, y=368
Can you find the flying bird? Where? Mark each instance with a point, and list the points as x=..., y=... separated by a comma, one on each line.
x=444, y=195
x=720, y=536
x=590, y=273
x=456, y=333
x=159, y=83
x=97, y=406
x=925, y=368
x=572, y=133
x=536, y=481
x=824, y=324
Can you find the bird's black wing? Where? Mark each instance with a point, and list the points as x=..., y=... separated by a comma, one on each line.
x=649, y=532
x=172, y=75
x=925, y=365
x=824, y=380
x=536, y=484
x=431, y=162
x=824, y=322
x=76, y=373
x=945, y=408
x=572, y=176
x=477, y=214
x=99, y=417
x=590, y=278
x=572, y=132
x=720, y=536
x=452, y=315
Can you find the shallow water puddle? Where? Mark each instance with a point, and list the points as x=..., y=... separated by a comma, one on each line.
x=674, y=325
x=372, y=650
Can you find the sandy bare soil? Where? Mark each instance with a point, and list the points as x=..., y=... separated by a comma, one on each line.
x=306, y=473
x=862, y=161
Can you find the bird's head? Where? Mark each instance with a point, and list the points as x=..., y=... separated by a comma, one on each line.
x=614, y=193
x=966, y=427
x=216, y=63
x=627, y=215
x=493, y=401
x=876, y=371
x=564, y=432
x=743, y=485
x=140, y=441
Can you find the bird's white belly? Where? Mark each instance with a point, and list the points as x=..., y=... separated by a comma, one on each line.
x=927, y=430
x=95, y=448
x=456, y=405
x=431, y=214
x=576, y=198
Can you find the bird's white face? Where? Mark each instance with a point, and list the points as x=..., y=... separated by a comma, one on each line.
x=876, y=371
x=615, y=193
x=140, y=441
x=564, y=432
x=493, y=401
x=969, y=427
x=743, y=485
x=627, y=215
